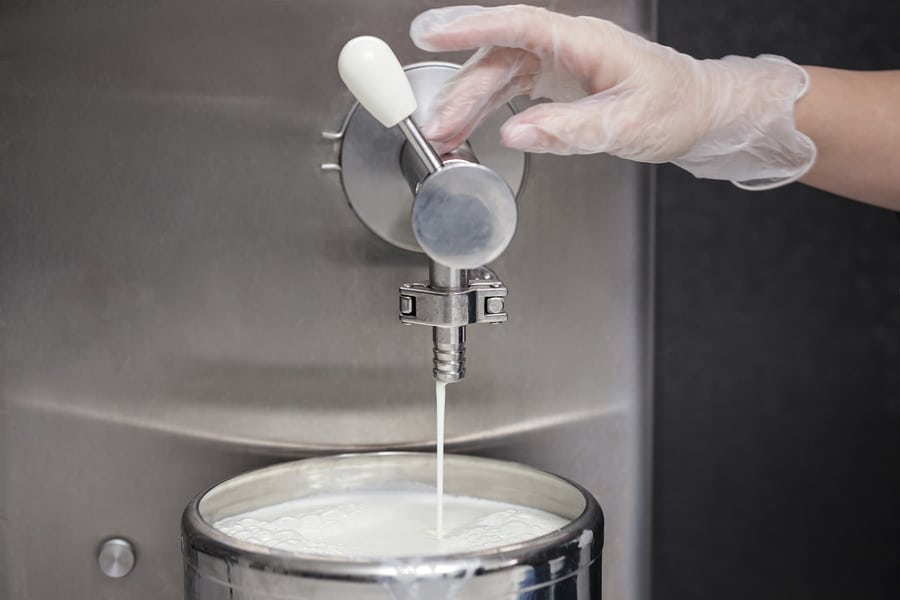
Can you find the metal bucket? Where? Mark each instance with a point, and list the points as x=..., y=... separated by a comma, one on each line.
x=564, y=564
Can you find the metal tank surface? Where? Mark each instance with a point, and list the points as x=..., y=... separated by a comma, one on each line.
x=186, y=294
x=564, y=564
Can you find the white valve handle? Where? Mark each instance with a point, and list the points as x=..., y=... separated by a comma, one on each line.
x=373, y=74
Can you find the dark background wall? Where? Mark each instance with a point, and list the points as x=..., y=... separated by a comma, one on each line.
x=777, y=447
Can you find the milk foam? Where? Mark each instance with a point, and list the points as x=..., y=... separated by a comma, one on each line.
x=384, y=524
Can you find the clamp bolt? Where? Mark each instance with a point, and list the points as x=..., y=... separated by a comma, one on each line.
x=494, y=306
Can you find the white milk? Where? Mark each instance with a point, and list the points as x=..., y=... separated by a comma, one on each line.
x=440, y=396
x=384, y=524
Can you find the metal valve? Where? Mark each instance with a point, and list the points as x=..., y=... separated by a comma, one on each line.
x=483, y=301
x=463, y=215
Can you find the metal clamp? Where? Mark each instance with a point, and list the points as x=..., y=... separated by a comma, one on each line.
x=481, y=302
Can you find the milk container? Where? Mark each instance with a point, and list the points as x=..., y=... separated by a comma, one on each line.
x=548, y=543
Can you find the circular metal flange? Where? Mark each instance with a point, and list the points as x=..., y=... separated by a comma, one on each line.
x=370, y=159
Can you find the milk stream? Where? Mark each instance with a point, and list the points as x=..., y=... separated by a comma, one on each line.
x=388, y=523
x=440, y=396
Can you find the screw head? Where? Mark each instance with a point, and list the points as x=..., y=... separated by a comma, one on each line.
x=494, y=305
x=116, y=558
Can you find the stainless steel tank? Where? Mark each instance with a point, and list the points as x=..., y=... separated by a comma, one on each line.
x=186, y=294
x=564, y=564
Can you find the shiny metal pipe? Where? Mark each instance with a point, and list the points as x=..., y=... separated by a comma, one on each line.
x=420, y=145
x=564, y=564
x=444, y=278
x=415, y=170
x=449, y=342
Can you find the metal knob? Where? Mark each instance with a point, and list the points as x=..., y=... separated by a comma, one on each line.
x=116, y=557
x=464, y=216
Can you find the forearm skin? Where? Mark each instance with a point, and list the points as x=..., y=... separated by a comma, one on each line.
x=854, y=119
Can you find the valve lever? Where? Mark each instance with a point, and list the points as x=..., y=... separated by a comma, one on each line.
x=372, y=73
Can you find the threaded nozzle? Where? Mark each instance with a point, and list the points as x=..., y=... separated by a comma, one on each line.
x=449, y=354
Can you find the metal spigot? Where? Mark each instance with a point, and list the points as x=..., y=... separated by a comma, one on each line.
x=463, y=216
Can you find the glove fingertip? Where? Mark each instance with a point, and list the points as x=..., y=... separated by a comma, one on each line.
x=520, y=136
x=422, y=39
x=434, y=31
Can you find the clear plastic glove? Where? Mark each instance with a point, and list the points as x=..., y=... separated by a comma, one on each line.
x=616, y=92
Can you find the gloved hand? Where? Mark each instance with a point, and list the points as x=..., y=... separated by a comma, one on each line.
x=616, y=92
